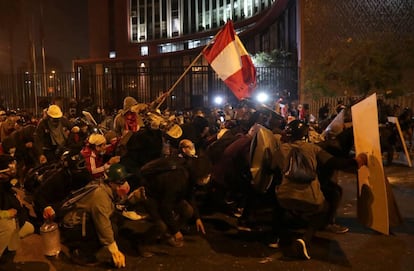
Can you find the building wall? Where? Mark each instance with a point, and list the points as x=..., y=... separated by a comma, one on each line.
x=328, y=23
x=98, y=28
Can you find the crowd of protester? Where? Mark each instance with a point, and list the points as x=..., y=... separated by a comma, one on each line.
x=100, y=136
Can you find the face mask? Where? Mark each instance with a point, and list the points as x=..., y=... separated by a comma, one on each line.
x=55, y=122
x=123, y=190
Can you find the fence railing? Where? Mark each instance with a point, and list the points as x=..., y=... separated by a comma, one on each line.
x=406, y=101
x=197, y=89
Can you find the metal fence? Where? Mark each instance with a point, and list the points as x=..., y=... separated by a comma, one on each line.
x=197, y=88
x=406, y=101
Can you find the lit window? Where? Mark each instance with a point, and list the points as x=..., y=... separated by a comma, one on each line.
x=144, y=50
x=175, y=26
x=112, y=54
x=171, y=47
x=193, y=44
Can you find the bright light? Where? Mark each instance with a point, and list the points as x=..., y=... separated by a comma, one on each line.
x=218, y=100
x=262, y=97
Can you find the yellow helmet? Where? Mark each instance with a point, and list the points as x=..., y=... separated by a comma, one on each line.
x=54, y=111
x=96, y=139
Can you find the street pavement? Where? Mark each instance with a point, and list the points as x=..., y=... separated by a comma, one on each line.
x=223, y=248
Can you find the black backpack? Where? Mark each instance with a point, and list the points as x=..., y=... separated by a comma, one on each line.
x=299, y=169
x=300, y=189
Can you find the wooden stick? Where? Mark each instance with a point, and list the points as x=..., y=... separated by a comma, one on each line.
x=164, y=95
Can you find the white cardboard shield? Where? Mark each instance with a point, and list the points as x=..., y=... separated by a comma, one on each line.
x=372, y=194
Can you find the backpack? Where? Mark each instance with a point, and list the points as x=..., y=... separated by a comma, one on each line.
x=69, y=203
x=300, y=190
x=299, y=169
x=40, y=174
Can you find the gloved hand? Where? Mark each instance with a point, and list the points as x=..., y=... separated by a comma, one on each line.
x=117, y=256
x=49, y=213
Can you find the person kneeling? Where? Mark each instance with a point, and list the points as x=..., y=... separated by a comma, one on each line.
x=89, y=229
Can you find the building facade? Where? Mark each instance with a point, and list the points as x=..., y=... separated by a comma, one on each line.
x=141, y=47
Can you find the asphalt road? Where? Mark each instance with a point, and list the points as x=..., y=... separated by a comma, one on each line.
x=224, y=248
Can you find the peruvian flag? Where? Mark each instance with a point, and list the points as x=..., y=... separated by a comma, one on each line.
x=232, y=63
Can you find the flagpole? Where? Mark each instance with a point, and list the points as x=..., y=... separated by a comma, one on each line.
x=164, y=95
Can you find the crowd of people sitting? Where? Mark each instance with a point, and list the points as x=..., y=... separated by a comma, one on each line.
x=142, y=162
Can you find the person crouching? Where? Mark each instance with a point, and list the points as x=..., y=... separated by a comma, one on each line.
x=89, y=229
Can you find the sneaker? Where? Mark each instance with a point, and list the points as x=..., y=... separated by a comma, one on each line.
x=300, y=249
x=335, y=228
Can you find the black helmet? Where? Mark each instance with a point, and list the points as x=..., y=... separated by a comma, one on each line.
x=117, y=174
x=296, y=130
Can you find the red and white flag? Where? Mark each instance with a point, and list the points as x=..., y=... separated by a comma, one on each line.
x=232, y=63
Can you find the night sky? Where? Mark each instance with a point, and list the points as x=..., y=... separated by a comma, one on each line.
x=65, y=34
